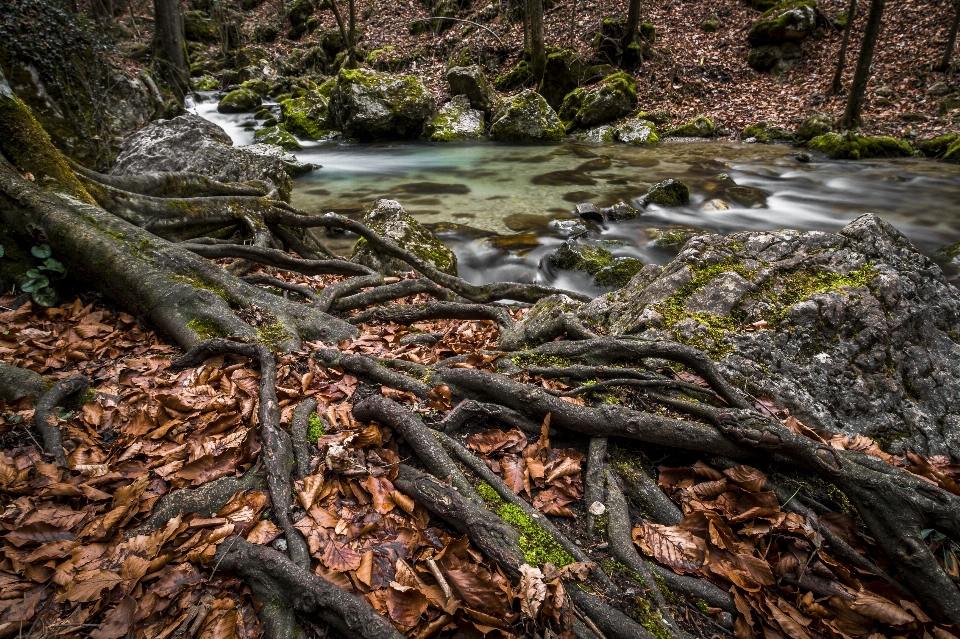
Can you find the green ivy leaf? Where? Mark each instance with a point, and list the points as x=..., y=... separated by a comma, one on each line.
x=35, y=283
x=46, y=296
x=51, y=264
x=43, y=251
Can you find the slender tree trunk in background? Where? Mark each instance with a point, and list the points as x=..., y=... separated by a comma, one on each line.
x=538, y=56
x=632, y=27
x=526, y=24
x=352, y=44
x=168, y=45
x=858, y=88
x=951, y=41
x=837, y=85
x=573, y=20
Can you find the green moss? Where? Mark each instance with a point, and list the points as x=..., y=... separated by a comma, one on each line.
x=581, y=257
x=766, y=132
x=489, y=495
x=315, y=430
x=619, y=272
x=650, y=618
x=600, y=524
x=667, y=193
x=702, y=606
x=814, y=126
x=205, y=83
x=197, y=283
x=699, y=127
x=952, y=154
x=239, y=101
x=536, y=359
x=789, y=21
x=537, y=545
x=938, y=145
x=515, y=77
x=206, y=328
x=273, y=335
x=850, y=146
x=277, y=137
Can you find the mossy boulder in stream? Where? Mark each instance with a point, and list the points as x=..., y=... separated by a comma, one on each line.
x=614, y=97
x=307, y=116
x=239, y=101
x=565, y=71
x=525, y=117
x=636, y=132
x=854, y=332
x=371, y=106
x=390, y=221
x=813, y=126
x=790, y=21
x=608, y=271
x=699, y=127
x=952, y=154
x=766, y=132
x=938, y=146
x=278, y=137
x=850, y=146
x=455, y=122
x=667, y=193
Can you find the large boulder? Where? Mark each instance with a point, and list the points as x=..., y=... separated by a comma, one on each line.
x=471, y=82
x=776, y=59
x=369, y=105
x=240, y=100
x=525, y=117
x=307, y=116
x=611, y=99
x=388, y=219
x=455, y=122
x=191, y=143
x=699, y=127
x=565, y=71
x=853, y=332
x=850, y=146
x=789, y=21
x=593, y=259
x=636, y=132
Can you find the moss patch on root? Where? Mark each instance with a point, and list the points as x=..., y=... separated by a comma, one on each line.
x=538, y=546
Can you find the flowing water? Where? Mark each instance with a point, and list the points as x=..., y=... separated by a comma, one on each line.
x=497, y=205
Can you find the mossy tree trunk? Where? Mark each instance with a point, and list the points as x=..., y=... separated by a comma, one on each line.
x=837, y=84
x=852, y=115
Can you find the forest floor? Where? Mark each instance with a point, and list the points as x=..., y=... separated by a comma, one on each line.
x=691, y=71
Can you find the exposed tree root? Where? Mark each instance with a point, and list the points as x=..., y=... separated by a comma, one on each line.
x=266, y=280
x=388, y=292
x=300, y=423
x=593, y=479
x=16, y=382
x=180, y=184
x=469, y=409
x=333, y=292
x=45, y=414
x=278, y=259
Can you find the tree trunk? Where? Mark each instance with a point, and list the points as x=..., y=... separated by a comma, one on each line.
x=842, y=58
x=168, y=45
x=858, y=88
x=951, y=40
x=632, y=27
x=538, y=56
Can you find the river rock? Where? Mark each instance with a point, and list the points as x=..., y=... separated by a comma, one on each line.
x=370, y=106
x=853, y=332
x=850, y=146
x=813, y=126
x=291, y=164
x=307, y=116
x=766, y=132
x=191, y=143
x=636, y=132
x=240, y=100
x=389, y=220
x=277, y=137
x=565, y=71
x=614, y=97
x=667, y=193
x=525, y=117
x=472, y=82
x=455, y=122
x=790, y=21
x=699, y=127
x=608, y=271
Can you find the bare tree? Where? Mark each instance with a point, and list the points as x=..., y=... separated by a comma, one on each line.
x=851, y=115
x=348, y=31
x=538, y=56
x=169, y=50
x=632, y=28
x=842, y=59
x=951, y=41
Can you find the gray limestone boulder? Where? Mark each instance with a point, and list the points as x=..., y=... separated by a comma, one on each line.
x=525, y=117
x=455, y=122
x=614, y=97
x=472, y=82
x=853, y=332
x=389, y=220
x=191, y=143
x=371, y=106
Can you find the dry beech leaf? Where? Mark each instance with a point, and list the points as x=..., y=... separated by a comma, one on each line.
x=532, y=590
x=670, y=546
x=340, y=557
x=876, y=607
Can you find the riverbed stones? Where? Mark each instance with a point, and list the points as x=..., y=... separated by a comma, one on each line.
x=671, y=192
x=472, y=82
x=455, y=122
x=390, y=221
x=850, y=146
x=240, y=100
x=813, y=126
x=191, y=143
x=525, y=117
x=766, y=132
x=371, y=106
x=699, y=127
x=614, y=97
x=593, y=259
x=277, y=137
x=853, y=332
x=636, y=132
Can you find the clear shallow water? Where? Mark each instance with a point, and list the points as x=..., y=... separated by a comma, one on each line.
x=493, y=203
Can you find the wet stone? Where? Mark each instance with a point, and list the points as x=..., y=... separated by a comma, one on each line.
x=589, y=211
x=719, y=296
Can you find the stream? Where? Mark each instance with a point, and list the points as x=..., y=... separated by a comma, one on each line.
x=501, y=207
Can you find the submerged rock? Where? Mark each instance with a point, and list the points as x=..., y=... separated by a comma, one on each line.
x=667, y=193
x=525, y=117
x=239, y=101
x=472, y=82
x=612, y=98
x=389, y=220
x=850, y=146
x=191, y=143
x=455, y=122
x=369, y=105
x=277, y=137
x=608, y=271
x=853, y=332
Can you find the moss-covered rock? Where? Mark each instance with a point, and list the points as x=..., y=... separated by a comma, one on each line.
x=699, y=127
x=618, y=273
x=850, y=146
x=937, y=146
x=388, y=219
x=667, y=193
x=814, y=126
x=515, y=77
x=306, y=117
x=472, y=82
x=711, y=24
x=525, y=117
x=636, y=132
x=952, y=154
x=776, y=59
x=205, y=83
x=299, y=11
x=565, y=71
x=587, y=258
x=277, y=137
x=370, y=106
x=455, y=122
x=614, y=97
x=239, y=101
x=766, y=132
x=789, y=21
x=198, y=27
x=259, y=86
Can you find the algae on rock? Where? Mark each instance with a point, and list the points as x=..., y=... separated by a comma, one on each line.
x=850, y=146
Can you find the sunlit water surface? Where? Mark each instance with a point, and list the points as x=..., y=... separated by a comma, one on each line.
x=494, y=203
